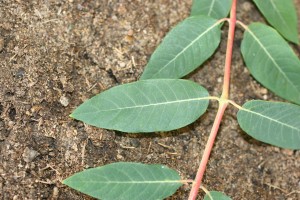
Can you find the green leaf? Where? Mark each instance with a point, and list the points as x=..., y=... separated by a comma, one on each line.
x=184, y=48
x=282, y=15
x=271, y=61
x=126, y=181
x=145, y=106
x=212, y=8
x=274, y=123
x=215, y=195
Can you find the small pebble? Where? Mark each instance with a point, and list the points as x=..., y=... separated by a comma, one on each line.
x=287, y=152
x=64, y=101
x=55, y=193
x=265, y=97
x=122, y=64
x=20, y=73
x=246, y=6
x=29, y=154
x=130, y=33
x=11, y=124
x=264, y=91
x=122, y=10
x=114, y=17
x=1, y=43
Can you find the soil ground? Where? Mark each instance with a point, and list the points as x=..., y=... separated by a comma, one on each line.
x=56, y=54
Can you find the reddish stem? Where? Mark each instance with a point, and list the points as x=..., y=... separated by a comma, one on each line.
x=205, y=157
x=222, y=105
x=232, y=23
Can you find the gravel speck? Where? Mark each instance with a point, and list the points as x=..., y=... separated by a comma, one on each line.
x=29, y=154
x=64, y=101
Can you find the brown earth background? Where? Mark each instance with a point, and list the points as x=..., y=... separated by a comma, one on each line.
x=56, y=54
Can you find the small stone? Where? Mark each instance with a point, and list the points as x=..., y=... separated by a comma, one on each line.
x=20, y=73
x=1, y=43
x=122, y=10
x=79, y=7
x=11, y=124
x=114, y=17
x=265, y=97
x=130, y=33
x=134, y=142
x=29, y=154
x=264, y=91
x=55, y=193
x=122, y=64
x=64, y=101
x=246, y=6
x=287, y=152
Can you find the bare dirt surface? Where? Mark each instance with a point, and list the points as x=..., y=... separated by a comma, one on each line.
x=56, y=54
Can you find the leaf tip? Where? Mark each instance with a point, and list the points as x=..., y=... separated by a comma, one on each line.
x=65, y=181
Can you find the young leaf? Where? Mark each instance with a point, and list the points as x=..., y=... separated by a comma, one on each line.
x=271, y=61
x=282, y=15
x=215, y=195
x=212, y=8
x=184, y=48
x=126, y=181
x=274, y=123
x=145, y=106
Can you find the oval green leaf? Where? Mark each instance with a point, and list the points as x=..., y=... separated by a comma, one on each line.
x=215, y=195
x=271, y=61
x=145, y=106
x=281, y=14
x=126, y=181
x=184, y=48
x=216, y=9
x=274, y=123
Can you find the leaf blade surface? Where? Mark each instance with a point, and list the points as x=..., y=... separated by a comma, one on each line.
x=271, y=61
x=126, y=181
x=184, y=48
x=145, y=106
x=215, y=195
x=216, y=9
x=274, y=123
x=282, y=16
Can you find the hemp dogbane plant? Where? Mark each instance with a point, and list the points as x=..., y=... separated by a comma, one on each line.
x=161, y=101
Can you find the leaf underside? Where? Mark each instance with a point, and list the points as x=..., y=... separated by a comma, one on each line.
x=145, y=106
x=126, y=181
x=281, y=14
x=274, y=123
x=184, y=48
x=271, y=61
x=216, y=9
x=215, y=195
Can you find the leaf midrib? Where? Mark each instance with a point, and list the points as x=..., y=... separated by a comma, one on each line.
x=211, y=7
x=271, y=119
x=271, y=58
x=133, y=182
x=152, y=104
x=280, y=16
x=187, y=47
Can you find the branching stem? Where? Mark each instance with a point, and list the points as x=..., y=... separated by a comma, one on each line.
x=222, y=105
